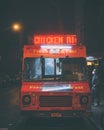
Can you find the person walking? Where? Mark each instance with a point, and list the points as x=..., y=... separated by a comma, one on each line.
x=95, y=90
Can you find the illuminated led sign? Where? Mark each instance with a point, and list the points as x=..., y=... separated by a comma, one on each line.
x=74, y=51
x=55, y=39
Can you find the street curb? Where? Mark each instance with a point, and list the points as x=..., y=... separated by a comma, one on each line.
x=95, y=124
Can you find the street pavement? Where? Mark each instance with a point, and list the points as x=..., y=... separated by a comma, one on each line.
x=98, y=113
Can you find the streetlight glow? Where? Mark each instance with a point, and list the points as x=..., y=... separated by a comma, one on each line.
x=16, y=27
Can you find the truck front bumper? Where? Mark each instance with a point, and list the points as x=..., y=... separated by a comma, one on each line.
x=57, y=114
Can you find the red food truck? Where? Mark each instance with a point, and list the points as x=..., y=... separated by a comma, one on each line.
x=54, y=78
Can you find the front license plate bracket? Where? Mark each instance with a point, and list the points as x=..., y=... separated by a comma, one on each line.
x=56, y=114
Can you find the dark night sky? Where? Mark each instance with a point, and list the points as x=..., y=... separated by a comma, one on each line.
x=94, y=20
x=37, y=16
x=49, y=16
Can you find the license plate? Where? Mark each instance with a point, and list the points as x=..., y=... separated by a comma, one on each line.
x=56, y=115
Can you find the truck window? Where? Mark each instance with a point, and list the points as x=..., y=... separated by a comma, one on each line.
x=49, y=66
x=51, y=69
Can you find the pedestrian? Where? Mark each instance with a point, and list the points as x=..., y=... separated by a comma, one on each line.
x=95, y=90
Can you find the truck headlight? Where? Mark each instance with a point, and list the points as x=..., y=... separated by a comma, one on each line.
x=83, y=100
x=26, y=100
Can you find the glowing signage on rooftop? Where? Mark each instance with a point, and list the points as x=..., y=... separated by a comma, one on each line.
x=55, y=39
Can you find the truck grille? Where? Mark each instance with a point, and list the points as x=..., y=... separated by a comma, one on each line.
x=55, y=101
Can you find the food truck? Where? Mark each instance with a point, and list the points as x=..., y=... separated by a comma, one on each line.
x=54, y=78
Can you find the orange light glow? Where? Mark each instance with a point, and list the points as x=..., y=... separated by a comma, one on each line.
x=55, y=39
x=16, y=27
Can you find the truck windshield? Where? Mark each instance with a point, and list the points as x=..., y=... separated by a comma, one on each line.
x=54, y=69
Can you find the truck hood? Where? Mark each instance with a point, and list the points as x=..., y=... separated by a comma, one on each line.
x=52, y=86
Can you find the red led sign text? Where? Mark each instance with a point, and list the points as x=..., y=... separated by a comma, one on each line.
x=55, y=39
x=45, y=51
